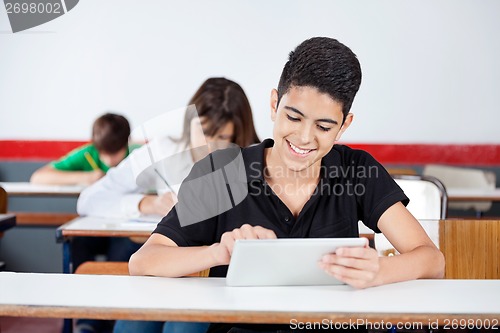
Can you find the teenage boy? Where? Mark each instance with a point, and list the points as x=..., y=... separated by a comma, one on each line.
x=89, y=163
x=300, y=185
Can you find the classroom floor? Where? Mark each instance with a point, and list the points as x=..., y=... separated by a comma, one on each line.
x=30, y=325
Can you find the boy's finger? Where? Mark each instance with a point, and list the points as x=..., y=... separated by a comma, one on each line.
x=263, y=233
x=364, y=264
x=230, y=245
x=248, y=232
x=352, y=276
x=356, y=252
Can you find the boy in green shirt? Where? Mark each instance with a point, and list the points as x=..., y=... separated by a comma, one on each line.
x=87, y=164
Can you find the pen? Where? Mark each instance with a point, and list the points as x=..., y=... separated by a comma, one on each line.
x=91, y=161
x=164, y=180
x=153, y=160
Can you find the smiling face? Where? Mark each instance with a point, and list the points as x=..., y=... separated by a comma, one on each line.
x=307, y=124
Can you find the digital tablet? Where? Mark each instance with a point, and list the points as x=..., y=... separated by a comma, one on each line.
x=283, y=262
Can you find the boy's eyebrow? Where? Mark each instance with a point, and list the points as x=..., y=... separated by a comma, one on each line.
x=326, y=120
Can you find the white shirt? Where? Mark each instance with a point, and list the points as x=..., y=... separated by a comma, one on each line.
x=119, y=193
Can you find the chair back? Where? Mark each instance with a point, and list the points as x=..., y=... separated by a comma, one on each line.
x=428, y=201
x=464, y=178
x=428, y=198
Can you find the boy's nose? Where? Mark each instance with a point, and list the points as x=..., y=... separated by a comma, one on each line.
x=305, y=135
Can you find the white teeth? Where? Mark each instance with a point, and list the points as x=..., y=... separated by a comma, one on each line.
x=298, y=150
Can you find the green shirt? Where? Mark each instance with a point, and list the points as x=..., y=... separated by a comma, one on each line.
x=76, y=160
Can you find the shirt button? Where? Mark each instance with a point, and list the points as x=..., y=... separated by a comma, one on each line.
x=287, y=219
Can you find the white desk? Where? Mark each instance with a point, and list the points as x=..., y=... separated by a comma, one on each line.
x=108, y=227
x=208, y=299
x=89, y=226
x=28, y=189
x=25, y=189
x=456, y=194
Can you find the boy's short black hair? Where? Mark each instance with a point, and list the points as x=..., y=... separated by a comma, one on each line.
x=325, y=64
x=110, y=133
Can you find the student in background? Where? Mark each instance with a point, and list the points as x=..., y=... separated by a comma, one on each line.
x=299, y=185
x=226, y=117
x=87, y=164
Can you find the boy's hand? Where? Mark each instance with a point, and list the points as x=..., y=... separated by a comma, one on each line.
x=222, y=251
x=158, y=204
x=164, y=203
x=356, y=266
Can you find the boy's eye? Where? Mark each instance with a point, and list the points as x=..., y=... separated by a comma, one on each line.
x=292, y=118
x=324, y=129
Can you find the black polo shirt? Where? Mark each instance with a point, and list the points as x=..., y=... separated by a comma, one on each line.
x=353, y=186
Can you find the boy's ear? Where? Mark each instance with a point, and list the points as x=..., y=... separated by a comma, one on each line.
x=274, y=104
x=347, y=123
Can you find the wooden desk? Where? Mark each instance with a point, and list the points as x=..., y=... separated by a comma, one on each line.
x=43, y=218
x=473, y=195
x=101, y=227
x=210, y=300
x=463, y=258
x=7, y=221
x=28, y=189
x=471, y=248
x=107, y=227
x=401, y=171
x=90, y=226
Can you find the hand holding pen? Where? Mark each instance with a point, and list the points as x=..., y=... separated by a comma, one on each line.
x=158, y=204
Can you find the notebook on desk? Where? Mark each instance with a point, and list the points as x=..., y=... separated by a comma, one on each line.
x=283, y=262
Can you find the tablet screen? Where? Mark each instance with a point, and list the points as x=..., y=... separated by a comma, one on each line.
x=283, y=262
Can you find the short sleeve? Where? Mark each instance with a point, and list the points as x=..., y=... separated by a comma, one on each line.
x=73, y=161
x=377, y=190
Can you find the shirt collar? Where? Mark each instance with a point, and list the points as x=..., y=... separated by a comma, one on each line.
x=330, y=163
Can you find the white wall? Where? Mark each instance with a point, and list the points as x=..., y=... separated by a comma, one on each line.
x=431, y=68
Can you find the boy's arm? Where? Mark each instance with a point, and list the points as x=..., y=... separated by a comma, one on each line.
x=419, y=258
x=51, y=176
x=118, y=195
x=115, y=195
x=160, y=256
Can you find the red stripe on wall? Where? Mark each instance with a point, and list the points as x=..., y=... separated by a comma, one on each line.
x=411, y=154
x=36, y=150
x=472, y=155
